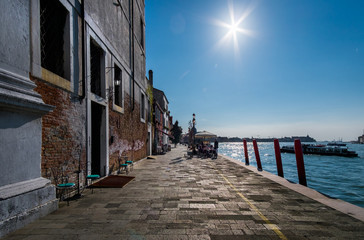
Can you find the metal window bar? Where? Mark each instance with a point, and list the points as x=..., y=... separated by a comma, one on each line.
x=52, y=24
x=96, y=54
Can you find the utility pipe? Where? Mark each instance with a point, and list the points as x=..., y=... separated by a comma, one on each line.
x=133, y=46
x=83, y=95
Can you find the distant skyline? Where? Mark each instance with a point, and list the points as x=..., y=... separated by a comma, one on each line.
x=284, y=68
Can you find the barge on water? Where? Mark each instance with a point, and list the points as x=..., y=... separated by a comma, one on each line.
x=332, y=150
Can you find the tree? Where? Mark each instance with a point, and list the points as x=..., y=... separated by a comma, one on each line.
x=176, y=132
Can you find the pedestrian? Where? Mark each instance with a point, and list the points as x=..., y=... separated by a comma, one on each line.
x=216, y=146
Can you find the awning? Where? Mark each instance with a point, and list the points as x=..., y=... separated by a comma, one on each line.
x=205, y=135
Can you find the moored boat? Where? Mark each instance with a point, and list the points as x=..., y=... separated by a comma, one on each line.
x=328, y=150
x=339, y=144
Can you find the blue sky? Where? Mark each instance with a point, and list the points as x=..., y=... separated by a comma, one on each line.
x=298, y=68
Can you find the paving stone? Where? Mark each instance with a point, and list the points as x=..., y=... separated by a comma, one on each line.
x=173, y=197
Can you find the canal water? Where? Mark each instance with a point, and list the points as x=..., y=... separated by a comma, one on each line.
x=337, y=177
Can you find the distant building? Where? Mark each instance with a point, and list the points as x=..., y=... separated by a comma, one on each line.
x=283, y=139
x=162, y=122
x=361, y=139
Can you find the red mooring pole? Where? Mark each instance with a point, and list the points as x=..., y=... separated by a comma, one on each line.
x=278, y=158
x=300, y=162
x=246, y=153
x=257, y=157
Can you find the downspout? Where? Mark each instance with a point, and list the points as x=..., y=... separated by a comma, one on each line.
x=133, y=72
x=83, y=94
x=133, y=40
x=83, y=51
x=84, y=66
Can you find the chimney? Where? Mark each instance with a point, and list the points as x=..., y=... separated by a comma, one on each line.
x=151, y=77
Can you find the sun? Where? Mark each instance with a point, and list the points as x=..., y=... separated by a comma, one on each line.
x=233, y=28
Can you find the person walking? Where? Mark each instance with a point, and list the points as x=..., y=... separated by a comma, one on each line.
x=216, y=146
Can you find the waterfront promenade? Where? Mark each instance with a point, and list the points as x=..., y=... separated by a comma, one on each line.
x=173, y=197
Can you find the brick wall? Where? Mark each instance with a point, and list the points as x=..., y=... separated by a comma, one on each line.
x=129, y=134
x=63, y=134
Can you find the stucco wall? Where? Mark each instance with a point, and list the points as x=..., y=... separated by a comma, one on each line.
x=14, y=37
x=20, y=141
x=24, y=194
x=113, y=23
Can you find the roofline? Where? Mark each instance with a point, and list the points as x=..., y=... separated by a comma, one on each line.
x=162, y=93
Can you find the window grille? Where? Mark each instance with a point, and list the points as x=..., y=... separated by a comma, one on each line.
x=96, y=55
x=53, y=18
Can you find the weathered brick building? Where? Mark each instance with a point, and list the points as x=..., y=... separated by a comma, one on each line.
x=72, y=90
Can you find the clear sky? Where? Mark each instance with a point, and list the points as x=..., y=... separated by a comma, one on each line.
x=294, y=68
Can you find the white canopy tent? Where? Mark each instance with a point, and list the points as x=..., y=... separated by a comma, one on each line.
x=204, y=135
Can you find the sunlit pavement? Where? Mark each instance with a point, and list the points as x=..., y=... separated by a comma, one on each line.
x=173, y=197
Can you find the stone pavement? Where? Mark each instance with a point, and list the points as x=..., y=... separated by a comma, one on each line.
x=177, y=198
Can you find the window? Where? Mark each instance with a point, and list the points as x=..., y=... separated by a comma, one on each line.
x=118, y=86
x=142, y=106
x=157, y=115
x=55, y=38
x=96, y=68
x=149, y=112
x=142, y=33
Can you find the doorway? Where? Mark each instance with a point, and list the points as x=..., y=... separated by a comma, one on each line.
x=148, y=144
x=98, y=158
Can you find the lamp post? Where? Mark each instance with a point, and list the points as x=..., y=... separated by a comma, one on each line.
x=192, y=130
x=193, y=127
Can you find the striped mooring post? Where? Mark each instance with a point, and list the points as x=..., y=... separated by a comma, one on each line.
x=246, y=153
x=257, y=157
x=300, y=163
x=277, y=151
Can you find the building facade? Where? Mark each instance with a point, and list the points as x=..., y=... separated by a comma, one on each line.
x=73, y=94
x=361, y=139
x=162, y=122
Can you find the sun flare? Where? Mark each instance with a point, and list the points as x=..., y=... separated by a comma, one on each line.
x=233, y=28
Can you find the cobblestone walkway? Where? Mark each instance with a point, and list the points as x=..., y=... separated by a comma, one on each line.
x=177, y=198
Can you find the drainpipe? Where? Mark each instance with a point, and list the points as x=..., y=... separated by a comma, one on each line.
x=83, y=95
x=133, y=40
x=83, y=52
x=133, y=73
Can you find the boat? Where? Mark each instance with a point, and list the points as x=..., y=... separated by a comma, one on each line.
x=321, y=149
x=339, y=144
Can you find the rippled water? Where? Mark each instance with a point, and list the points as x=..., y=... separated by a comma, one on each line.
x=338, y=177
